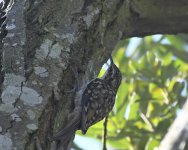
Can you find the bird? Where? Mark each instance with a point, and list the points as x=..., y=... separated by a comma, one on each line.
x=97, y=100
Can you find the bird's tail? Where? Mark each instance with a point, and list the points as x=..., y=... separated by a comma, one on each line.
x=66, y=133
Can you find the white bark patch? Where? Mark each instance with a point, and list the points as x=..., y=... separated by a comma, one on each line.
x=69, y=37
x=88, y=18
x=10, y=94
x=9, y=35
x=16, y=117
x=12, y=84
x=15, y=44
x=34, y=82
x=8, y=108
x=31, y=114
x=30, y=97
x=44, y=49
x=41, y=71
x=27, y=95
x=55, y=51
x=32, y=126
x=12, y=79
x=10, y=26
x=13, y=92
x=56, y=35
x=47, y=49
x=5, y=143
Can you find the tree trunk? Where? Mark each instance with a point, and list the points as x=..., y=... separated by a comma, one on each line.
x=48, y=40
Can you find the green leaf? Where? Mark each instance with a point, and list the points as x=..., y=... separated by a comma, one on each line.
x=152, y=144
x=122, y=144
x=177, y=42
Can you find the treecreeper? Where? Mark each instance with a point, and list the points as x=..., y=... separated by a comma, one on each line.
x=96, y=100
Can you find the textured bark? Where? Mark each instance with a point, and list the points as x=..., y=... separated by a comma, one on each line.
x=46, y=38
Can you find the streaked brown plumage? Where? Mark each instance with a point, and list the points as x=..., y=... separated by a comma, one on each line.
x=97, y=101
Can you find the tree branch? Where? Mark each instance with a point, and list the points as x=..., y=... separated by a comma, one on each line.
x=177, y=135
x=44, y=37
x=105, y=133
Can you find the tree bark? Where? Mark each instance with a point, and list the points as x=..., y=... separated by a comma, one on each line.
x=46, y=38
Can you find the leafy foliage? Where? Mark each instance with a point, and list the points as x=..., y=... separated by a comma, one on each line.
x=153, y=90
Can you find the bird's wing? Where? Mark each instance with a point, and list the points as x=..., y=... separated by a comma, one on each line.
x=95, y=103
x=68, y=131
